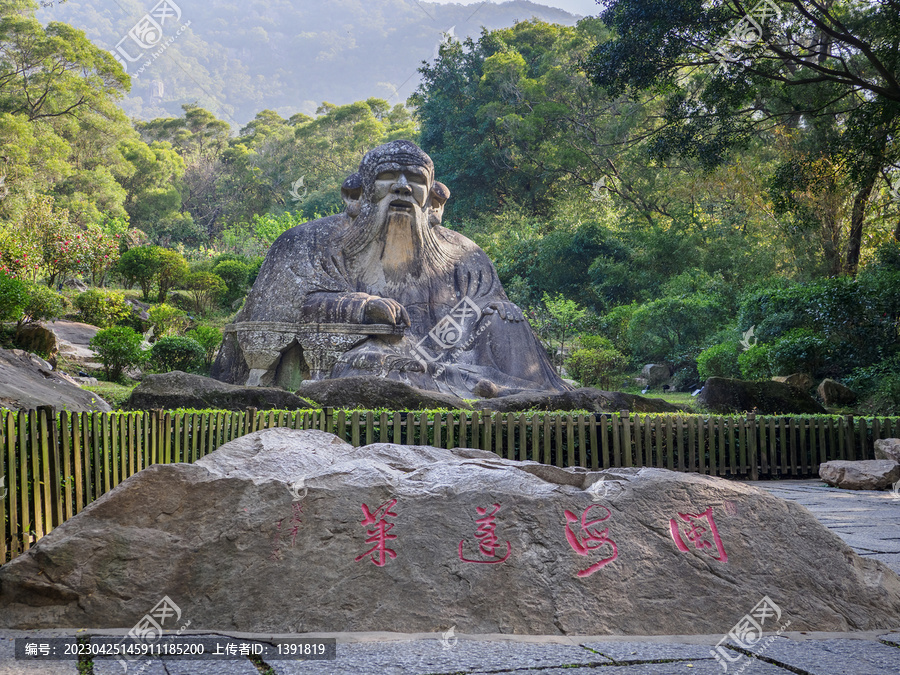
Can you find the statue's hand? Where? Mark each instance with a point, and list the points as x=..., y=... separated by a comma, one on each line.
x=507, y=311
x=386, y=310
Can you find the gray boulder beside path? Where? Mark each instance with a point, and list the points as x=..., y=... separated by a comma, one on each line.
x=867, y=474
x=288, y=531
x=27, y=382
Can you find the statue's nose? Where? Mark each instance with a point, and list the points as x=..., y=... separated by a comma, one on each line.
x=402, y=186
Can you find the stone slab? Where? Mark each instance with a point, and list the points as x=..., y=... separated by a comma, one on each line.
x=825, y=657
x=10, y=666
x=435, y=656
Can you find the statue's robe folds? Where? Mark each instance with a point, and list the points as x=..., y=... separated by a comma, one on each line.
x=305, y=318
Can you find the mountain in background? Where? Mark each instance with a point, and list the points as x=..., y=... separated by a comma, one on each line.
x=237, y=58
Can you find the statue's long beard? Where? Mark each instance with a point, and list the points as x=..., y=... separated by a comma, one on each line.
x=395, y=252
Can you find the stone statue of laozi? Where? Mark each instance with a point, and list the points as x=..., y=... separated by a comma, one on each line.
x=383, y=290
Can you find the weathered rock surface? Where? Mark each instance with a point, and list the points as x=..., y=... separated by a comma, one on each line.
x=834, y=393
x=376, y=392
x=867, y=474
x=888, y=448
x=803, y=381
x=34, y=337
x=185, y=390
x=656, y=373
x=27, y=382
x=586, y=398
x=74, y=343
x=767, y=397
x=267, y=534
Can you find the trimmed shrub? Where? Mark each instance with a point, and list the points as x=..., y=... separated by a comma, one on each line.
x=167, y=320
x=177, y=353
x=597, y=363
x=102, y=308
x=206, y=289
x=209, y=337
x=13, y=298
x=719, y=361
x=756, y=363
x=235, y=275
x=118, y=348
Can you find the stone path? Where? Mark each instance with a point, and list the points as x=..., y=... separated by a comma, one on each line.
x=867, y=521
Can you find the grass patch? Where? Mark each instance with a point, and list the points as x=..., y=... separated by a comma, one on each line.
x=113, y=393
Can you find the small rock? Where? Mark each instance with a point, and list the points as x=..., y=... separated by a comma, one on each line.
x=33, y=337
x=486, y=389
x=888, y=448
x=835, y=394
x=77, y=284
x=867, y=474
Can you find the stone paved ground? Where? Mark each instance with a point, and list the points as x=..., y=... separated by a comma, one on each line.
x=867, y=521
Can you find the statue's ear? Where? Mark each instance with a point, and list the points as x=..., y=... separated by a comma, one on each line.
x=351, y=191
x=440, y=193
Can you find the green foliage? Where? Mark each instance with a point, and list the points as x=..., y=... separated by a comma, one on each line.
x=43, y=305
x=141, y=265
x=118, y=348
x=172, y=271
x=597, y=363
x=235, y=274
x=167, y=320
x=205, y=288
x=799, y=351
x=209, y=337
x=558, y=321
x=756, y=363
x=177, y=353
x=102, y=308
x=13, y=298
x=720, y=360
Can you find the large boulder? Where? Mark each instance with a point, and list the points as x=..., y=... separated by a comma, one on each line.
x=888, y=448
x=74, y=343
x=586, y=398
x=766, y=397
x=656, y=373
x=866, y=474
x=27, y=382
x=184, y=390
x=834, y=393
x=376, y=392
x=288, y=531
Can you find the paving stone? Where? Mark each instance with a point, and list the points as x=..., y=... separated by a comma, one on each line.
x=826, y=657
x=144, y=667
x=429, y=656
x=698, y=667
x=649, y=651
x=891, y=637
x=240, y=666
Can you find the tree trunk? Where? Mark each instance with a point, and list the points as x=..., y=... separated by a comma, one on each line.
x=857, y=219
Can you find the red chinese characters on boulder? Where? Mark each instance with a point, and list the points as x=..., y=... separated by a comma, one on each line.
x=590, y=538
x=379, y=534
x=700, y=530
x=487, y=539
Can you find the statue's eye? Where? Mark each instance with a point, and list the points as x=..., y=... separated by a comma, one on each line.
x=417, y=178
x=387, y=175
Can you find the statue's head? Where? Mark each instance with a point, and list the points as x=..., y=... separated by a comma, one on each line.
x=394, y=203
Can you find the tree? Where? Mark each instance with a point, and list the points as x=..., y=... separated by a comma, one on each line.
x=13, y=297
x=209, y=337
x=206, y=288
x=118, y=348
x=561, y=321
x=173, y=270
x=141, y=265
x=830, y=70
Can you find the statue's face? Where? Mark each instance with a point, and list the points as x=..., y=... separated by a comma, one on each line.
x=401, y=191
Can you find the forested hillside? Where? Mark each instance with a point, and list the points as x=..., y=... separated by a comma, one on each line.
x=640, y=201
x=236, y=59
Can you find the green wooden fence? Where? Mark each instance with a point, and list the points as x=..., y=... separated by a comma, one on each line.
x=52, y=465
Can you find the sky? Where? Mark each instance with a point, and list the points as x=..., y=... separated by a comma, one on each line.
x=582, y=7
